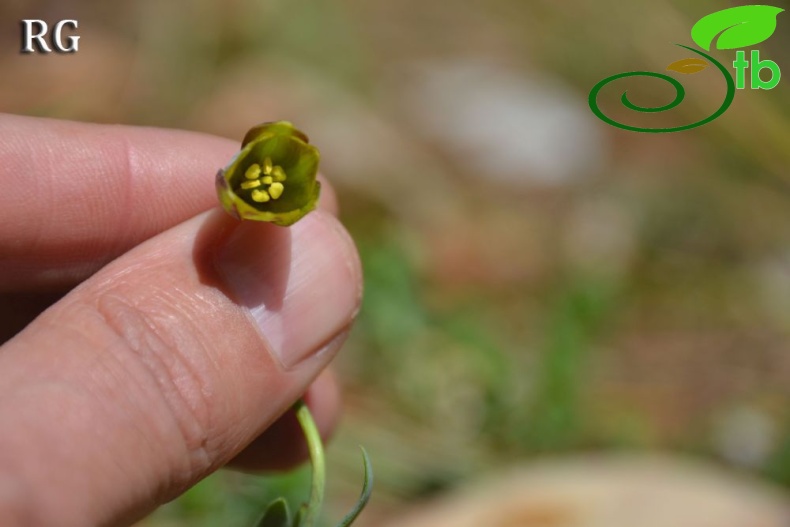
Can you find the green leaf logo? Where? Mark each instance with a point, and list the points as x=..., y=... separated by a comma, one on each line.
x=688, y=66
x=738, y=27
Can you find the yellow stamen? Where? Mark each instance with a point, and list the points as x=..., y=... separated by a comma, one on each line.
x=267, y=180
x=279, y=174
x=261, y=196
x=250, y=184
x=276, y=190
x=267, y=166
x=253, y=172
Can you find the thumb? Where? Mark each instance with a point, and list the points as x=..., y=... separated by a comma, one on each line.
x=166, y=363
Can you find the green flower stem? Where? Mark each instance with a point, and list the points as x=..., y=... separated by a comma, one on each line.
x=273, y=179
x=316, y=449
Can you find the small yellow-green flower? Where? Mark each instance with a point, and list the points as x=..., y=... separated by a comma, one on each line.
x=272, y=178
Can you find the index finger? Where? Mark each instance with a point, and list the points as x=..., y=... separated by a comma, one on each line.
x=74, y=196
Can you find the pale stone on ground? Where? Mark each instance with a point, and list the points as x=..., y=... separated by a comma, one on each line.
x=609, y=491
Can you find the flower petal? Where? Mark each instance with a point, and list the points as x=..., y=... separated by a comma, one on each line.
x=295, y=163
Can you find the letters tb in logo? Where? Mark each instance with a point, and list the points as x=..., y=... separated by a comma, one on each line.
x=34, y=31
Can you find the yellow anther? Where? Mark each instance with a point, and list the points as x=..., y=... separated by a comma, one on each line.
x=250, y=184
x=253, y=172
x=267, y=166
x=279, y=174
x=261, y=196
x=276, y=190
x=267, y=180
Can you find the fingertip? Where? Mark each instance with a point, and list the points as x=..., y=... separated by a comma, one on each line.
x=328, y=200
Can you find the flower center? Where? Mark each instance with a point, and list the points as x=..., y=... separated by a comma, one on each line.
x=266, y=182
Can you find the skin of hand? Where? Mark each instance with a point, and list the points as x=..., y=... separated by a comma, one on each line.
x=148, y=338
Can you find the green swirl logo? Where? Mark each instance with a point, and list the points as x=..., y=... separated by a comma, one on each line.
x=680, y=94
x=736, y=27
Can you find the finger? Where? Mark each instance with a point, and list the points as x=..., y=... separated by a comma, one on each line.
x=74, y=196
x=282, y=445
x=165, y=364
x=18, y=309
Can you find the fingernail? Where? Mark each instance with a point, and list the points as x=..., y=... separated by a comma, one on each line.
x=301, y=284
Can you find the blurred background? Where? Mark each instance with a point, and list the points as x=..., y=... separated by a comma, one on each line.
x=550, y=301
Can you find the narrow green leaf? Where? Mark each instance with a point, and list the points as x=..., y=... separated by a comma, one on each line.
x=736, y=27
x=299, y=518
x=364, y=497
x=276, y=515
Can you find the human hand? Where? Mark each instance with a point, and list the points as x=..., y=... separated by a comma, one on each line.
x=184, y=334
